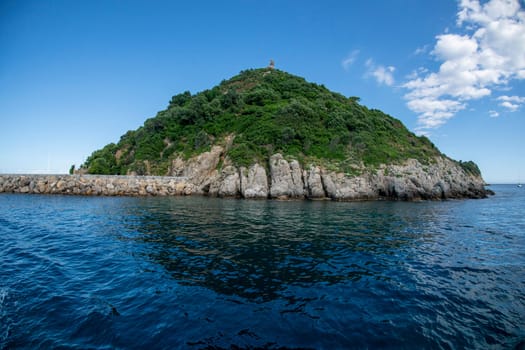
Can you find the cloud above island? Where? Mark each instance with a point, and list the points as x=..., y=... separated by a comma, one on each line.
x=487, y=53
x=349, y=60
x=384, y=75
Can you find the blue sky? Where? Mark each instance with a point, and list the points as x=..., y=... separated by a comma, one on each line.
x=76, y=75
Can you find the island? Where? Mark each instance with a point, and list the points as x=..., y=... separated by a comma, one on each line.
x=267, y=134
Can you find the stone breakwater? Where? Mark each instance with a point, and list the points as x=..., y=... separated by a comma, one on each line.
x=280, y=179
x=92, y=185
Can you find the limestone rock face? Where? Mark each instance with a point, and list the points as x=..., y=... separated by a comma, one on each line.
x=200, y=171
x=314, y=183
x=230, y=182
x=340, y=187
x=297, y=188
x=440, y=179
x=286, y=178
x=254, y=182
x=412, y=180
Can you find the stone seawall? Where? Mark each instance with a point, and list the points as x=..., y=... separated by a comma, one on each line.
x=93, y=185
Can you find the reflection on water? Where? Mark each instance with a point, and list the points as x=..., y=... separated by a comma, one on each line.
x=256, y=249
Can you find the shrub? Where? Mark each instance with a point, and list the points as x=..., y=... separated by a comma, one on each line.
x=470, y=167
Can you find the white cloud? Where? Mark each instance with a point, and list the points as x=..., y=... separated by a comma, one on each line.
x=383, y=75
x=511, y=103
x=489, y=56
x=453, y=46
x=415, y=74
x=493, y=114
x=350, y=59
x=434, y=113
x=421, y=50
x=518, y=99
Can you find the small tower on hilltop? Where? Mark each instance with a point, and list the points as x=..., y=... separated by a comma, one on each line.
x=271, y=65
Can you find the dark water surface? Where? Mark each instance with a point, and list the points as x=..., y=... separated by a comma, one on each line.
x=168, y=273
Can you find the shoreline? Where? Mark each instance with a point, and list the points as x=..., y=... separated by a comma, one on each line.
x=144, y=186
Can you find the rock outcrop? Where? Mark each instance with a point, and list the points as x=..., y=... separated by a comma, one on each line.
x=201, y=172
x=254, y=182
x=314, y=183
x=230, y=184
x=212, y=174
x=286, y=178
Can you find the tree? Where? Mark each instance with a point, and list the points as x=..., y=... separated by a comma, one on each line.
x=180, y=99
x=99, y=166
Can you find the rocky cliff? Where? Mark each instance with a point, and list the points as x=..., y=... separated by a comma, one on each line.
x=287, y=179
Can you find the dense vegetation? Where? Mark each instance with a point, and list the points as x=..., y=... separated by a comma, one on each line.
x=267, y=111
x=470, y=167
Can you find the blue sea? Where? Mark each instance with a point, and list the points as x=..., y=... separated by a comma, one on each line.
x=205, y=273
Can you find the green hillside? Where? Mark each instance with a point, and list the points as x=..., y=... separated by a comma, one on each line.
x=266, y=111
